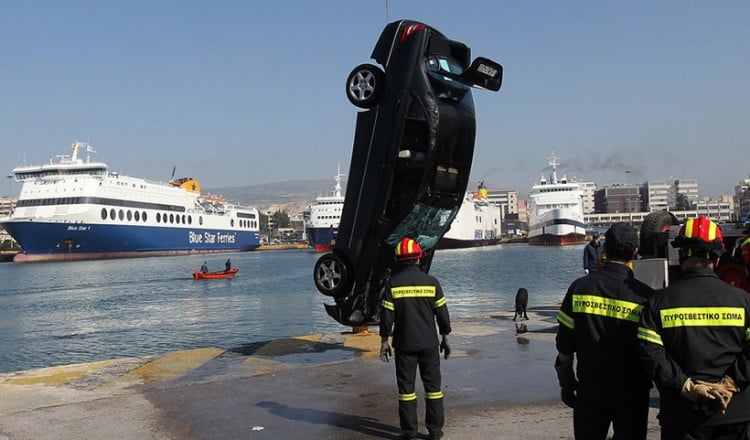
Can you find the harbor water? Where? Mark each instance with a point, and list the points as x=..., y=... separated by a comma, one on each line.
x=84, y=311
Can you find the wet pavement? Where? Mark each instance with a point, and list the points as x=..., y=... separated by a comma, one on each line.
x=499, y=383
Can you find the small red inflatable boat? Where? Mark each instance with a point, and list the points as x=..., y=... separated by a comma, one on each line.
x=198, y=275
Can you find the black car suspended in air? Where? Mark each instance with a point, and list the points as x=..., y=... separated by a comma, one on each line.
x=410, y=164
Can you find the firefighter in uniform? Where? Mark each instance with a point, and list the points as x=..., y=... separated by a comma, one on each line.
x=695, y=343
x=412, y=300
x=599, y=319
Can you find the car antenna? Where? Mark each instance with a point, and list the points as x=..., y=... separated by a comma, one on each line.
x=386, y=12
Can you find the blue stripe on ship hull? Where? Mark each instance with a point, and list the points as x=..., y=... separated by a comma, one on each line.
x=75, y=238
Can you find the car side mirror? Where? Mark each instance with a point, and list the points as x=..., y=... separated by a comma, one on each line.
x=484, y=73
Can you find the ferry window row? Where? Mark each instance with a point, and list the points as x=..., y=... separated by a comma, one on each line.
x=176, y=218
x=556, y=189
x=248, y=224
x=121, y=215
x=172, y=218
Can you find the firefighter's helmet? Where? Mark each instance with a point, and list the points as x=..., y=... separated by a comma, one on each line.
x=700, y=236
x=408, y=249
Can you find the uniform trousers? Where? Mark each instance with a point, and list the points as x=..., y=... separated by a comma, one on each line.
x=428, y=361
x=626, y=411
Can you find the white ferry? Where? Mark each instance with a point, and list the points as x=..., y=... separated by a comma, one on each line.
x=76, y=209
x=323, y=217
x=477, y=223
x=556, y=211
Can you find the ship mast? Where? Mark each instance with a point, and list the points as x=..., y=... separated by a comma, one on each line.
x=337, y=187
x=553, y=164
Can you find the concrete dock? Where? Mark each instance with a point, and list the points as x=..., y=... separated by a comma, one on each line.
x=498, y=384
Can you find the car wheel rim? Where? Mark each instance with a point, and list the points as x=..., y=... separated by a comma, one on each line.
x=362, y=85
x=329, y=275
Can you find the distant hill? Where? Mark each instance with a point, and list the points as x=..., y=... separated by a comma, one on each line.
x=266, y=194
x=290, y=192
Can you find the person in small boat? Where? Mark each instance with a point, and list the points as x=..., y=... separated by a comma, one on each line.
x=228, y=265
x=204, y=267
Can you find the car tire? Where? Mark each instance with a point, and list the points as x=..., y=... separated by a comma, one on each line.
x=365, y=85
x=332, y=276
x=653, y=225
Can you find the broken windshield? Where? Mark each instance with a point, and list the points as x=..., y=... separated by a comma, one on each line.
x=424, y=224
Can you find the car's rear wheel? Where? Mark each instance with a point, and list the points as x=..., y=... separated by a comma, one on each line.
x=332, y=275
x=365, y=85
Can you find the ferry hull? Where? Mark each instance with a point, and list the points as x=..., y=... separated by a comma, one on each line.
x=558, y=227
x=450, y=243
x=557, y=240
x=43, y=241
x=321, y=239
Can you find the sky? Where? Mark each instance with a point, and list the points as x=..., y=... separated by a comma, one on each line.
x=238, y=93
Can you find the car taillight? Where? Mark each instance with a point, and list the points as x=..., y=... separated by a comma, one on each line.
x=411, y=30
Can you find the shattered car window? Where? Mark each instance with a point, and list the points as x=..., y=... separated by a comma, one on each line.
x=430, y=222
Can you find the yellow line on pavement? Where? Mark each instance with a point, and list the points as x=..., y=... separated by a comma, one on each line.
x=55, y=376
x=368, y=342
x=175, y=364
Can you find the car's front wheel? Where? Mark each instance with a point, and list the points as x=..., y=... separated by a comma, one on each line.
x=365, y=85
x=331, y=275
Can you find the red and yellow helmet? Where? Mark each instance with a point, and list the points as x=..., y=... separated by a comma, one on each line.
x=408, y=249
x=700, y=234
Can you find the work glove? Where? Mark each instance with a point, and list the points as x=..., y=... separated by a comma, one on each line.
x=445, y=348
x=723, y=391
x=586, y=271
x=696, y=392
x=385, y=351
x=567, y=379
x=704, y=397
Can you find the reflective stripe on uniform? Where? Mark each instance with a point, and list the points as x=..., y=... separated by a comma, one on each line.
x=702, y=317
x=433, y=395
x=609, y=307
x=407, y=397
x=648, y=335
x=566, y=320
x=387, y=305
x=413, y=292
x=441, y=302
